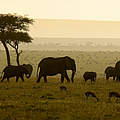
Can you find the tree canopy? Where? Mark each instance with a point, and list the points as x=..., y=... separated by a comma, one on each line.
x=14, y=27
x=13, y=30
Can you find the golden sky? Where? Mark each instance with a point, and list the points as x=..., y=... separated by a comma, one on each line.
x=75, y=28
x=64, y=9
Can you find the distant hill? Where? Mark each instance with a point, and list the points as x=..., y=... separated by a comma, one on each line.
x=75, y=28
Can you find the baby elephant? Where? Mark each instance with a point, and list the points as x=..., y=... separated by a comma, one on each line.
x=88, y=94
x=17, y=71
x=90, y=75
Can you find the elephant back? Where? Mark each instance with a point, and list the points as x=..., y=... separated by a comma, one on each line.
x=9, y=68
x=89, y=75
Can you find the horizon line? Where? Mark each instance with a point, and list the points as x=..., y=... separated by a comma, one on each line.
x=82, y=37
x=91, y=20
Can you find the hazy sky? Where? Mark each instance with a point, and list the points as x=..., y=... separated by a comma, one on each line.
x=64, y=9
x=75, y=28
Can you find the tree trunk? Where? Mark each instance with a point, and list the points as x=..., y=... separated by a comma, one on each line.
x=17, y=59
x=15, y=46
x=7, y=53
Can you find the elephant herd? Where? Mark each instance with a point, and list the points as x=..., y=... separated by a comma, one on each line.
x=113, y=72
x=109, y=72
x=47, y=67
x=52, y=66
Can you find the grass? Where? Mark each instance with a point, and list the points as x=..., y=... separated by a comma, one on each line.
x=45, y=101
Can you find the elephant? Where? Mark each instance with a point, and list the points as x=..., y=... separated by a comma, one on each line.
x=90, y=75
x=110, y=72
x=17, y=71
x=52, y=66
x=117, y=71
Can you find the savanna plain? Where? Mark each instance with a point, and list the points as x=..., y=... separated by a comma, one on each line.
x=45, y=101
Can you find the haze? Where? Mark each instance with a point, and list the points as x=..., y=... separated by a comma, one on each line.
x=71, y=12
x=75, y=29
x=69, y=18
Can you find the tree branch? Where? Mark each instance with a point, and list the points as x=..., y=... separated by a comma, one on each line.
x=11, y=45
x=20, y=52
x=16, y=46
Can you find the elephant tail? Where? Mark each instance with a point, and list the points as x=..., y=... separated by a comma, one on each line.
x=38, y=70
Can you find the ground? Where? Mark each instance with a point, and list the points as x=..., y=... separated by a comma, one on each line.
x=45, y=101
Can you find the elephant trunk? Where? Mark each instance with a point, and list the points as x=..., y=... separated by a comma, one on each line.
x=28, y=70
x=28, y=75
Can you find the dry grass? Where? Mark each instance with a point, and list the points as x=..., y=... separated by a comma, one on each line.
x=44, y=101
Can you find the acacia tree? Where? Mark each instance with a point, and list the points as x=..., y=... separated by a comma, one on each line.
x=13, y=30
x=15, y=39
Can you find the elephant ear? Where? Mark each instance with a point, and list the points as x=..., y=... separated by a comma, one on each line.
x=29, y=68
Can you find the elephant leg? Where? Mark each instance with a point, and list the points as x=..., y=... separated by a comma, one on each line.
x=72, y=78
x=113, y=77
x=62, y=78
x=45, y=79
x=107, y=77
x=21, y=76
x=39, y=77
x=66, y=76
x=7, y=79
x=117, y=78
x=17, y=77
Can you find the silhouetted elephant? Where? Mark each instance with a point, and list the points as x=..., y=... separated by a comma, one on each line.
x=110, y=72
x=90, y=75
x=51, y=66
x=117, y=71
x=17, y=71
